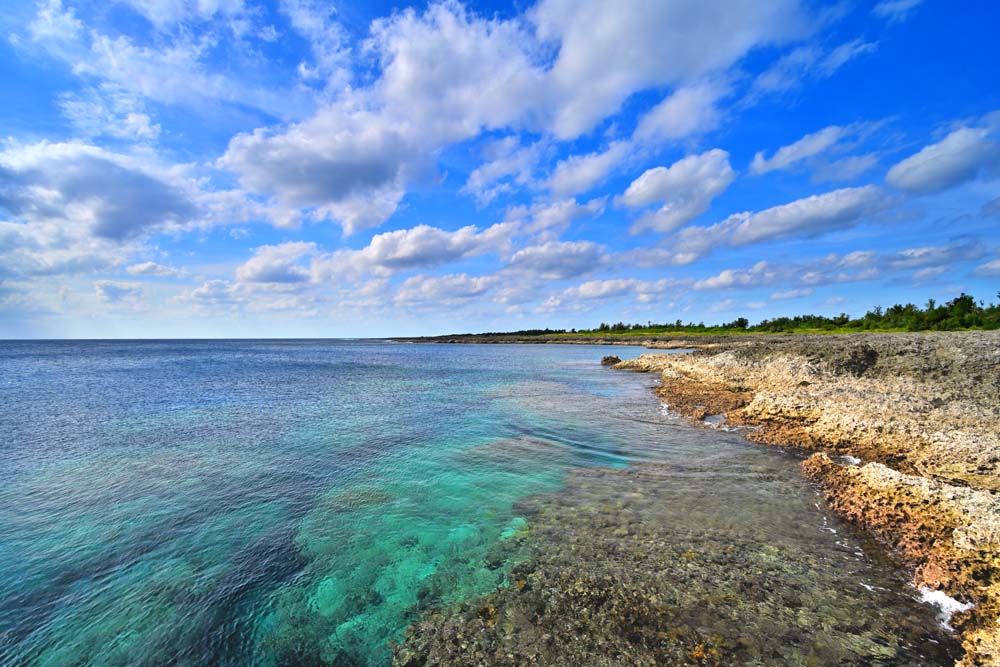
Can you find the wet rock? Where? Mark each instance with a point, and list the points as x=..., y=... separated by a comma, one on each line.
x=610, y=360
x=925, y=408
x=616, y=579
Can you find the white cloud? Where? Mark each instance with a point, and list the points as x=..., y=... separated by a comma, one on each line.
x=277, y=264
x=686, y=189
x=212, y=294
x=327, y=39
x=846, y=169
x=446, y=290
x=109, y=111
x=688, y=111
x=337, y=159
x=807, y=146
x=165, y=14
x=447, y=74
x=116, y=292
x=152, y=269
x=558, y=260
x=580, y=296
x=761, y=273
x=990, y=268
x=934, y=256
x=792, y=294
x=579, y=173
x=668, y=43
x=925, y=262
x=451, y=73
x=174, y=70
x=804, y=63
x=53, y=248
x=954, y=160
x=113, y=195
x=895, y=10
x=54, y=23
x=810, y=216
x=508, y=164
x=418, y=247
x=552, y=218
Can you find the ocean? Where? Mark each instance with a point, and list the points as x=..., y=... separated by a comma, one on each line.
x=301, y=502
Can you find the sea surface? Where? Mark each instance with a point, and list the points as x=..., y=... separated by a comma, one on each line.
x=265, y=503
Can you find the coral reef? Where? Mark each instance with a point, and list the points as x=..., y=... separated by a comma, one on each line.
x=620, y=575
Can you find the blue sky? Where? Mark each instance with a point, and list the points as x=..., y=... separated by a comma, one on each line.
x=189, y=168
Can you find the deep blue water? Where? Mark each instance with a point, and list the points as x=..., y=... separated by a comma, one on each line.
x=287, y=502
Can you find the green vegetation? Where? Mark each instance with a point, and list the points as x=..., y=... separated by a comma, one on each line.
x=962, y=312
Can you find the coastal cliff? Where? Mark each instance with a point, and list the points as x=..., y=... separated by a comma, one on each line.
x=907, y=433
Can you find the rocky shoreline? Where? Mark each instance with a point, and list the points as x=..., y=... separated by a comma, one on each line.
x=907, y=433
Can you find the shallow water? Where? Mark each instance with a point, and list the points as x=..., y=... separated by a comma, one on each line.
x=302, y=502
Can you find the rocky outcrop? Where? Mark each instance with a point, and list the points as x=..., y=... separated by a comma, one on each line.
x=921, y=410
x=610, y=360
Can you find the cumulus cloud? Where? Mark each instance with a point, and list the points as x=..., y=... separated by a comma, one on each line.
x=152, y=269
x=593, y=75
x=579, y=173
x=338, y=158
x=418, y=247
x=454, y=289
x=581, y=296
x=277, y=264
x=116, y=292
x=686, y=189
x=688, y=111
x=956, y=159
x=558, y=260
x=553, y=218
x=447, y=74
x=114, y=196
x=810, y=216
x=759, y=274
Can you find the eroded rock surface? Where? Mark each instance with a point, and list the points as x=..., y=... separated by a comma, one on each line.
x=621, y=575
x=921, y=410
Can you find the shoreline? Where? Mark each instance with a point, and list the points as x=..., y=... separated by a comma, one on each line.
x=906, y=430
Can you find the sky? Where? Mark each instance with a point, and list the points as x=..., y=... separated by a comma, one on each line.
x=247, y=168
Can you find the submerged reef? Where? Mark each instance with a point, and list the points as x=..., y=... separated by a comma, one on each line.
x=621, y=575
x=920, y=413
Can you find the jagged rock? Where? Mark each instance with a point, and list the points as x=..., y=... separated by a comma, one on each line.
x=923, y=408
x=610, y=360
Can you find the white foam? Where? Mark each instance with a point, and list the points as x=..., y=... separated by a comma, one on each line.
x=850, y=460
x=946, y=604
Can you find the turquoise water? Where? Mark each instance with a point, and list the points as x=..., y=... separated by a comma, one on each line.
x=302, y=502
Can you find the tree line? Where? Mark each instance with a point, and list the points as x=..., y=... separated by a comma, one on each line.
x=962, y=312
